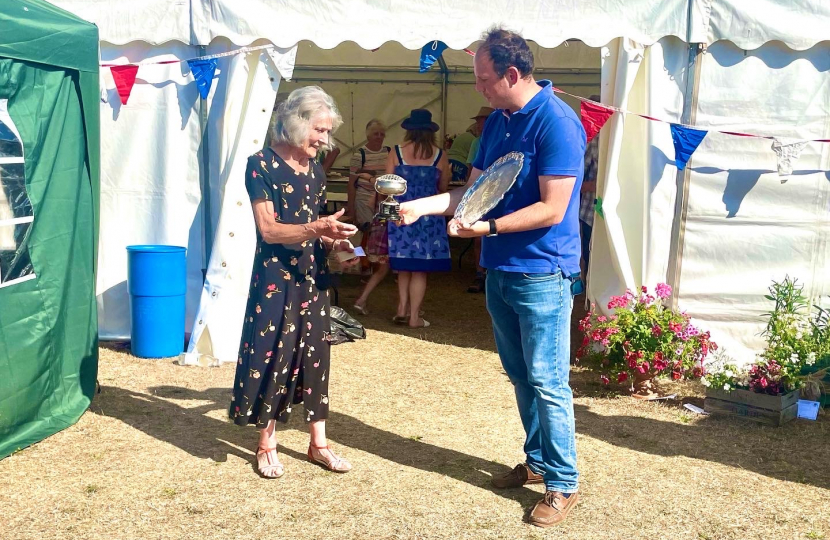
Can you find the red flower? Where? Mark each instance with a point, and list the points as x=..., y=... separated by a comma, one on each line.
x=643, y=368
x=644, y=289
x=604, y=379
x=656, y=331
x=660, y=365
x=585, y=341
x=622, y=377
x=658, y=355
x=640, y=354
x=676, y=375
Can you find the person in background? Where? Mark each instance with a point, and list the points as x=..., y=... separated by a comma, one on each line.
x=420, y=246
x=284, y=350
x=477, y=285
x=531, y=252
x=460, y=151
x=588, y=195
x=367, y=164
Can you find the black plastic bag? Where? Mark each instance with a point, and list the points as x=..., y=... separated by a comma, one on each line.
x=344, y=327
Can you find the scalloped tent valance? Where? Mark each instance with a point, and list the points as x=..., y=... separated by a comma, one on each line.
x=799, y=24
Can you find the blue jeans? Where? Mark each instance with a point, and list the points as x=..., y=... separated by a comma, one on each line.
x=531, y=320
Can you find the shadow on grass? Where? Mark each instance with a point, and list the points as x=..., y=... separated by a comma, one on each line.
x=456, y=317
x=201, y=436
x=795, y=452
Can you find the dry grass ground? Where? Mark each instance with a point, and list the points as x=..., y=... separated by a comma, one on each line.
x=426, y=417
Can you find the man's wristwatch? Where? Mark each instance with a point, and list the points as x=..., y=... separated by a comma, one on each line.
x=493, y=231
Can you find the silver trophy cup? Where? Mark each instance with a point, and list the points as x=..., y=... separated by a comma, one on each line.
x=390, y=185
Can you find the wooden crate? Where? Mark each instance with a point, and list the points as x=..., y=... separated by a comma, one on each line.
x=762, y=408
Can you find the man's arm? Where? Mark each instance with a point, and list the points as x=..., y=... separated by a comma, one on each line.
x=443, y=204
x=550, y=210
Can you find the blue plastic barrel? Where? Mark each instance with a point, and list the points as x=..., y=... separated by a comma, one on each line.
x=157, y=280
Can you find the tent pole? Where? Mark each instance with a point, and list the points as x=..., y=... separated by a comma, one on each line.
x=207, y=222
x=444, y=85
x=681, y=207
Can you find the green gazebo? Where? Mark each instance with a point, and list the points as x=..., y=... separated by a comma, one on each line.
x=49, y=174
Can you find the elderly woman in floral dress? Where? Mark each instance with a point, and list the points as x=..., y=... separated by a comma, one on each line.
x=284, y=350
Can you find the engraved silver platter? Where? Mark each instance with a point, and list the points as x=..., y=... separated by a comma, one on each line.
x=489, y=188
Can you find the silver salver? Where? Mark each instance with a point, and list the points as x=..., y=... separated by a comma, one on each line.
x=489, y=188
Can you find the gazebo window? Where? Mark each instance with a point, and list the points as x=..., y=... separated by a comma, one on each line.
x=16, y=214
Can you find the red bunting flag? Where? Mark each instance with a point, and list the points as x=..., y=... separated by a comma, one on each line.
x=124, y=77
x=594, y=116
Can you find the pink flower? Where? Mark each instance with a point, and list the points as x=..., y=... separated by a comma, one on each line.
x=622, y=377
x=656, y=330
x=604, y=379
x=663, y=290
x=272, y=287
x=602, y=318
x=644, y=289
x=643, y=368
x=660, y=365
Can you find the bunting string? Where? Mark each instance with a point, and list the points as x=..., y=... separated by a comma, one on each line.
x=698, y=128
x=687, y=138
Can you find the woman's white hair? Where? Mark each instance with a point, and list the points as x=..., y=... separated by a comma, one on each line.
x=295, y=115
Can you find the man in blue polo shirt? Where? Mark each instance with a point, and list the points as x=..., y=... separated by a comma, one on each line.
x=531, y=251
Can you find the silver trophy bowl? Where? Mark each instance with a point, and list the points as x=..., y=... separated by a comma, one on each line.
x=390, y=185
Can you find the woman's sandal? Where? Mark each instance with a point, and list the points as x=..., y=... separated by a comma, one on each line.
x=337, y=464
x=424, y=324
x=404, y=319
x=266, y=466
x=361, y=309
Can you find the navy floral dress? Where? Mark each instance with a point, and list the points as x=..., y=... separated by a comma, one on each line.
x=284, y=350
x=423, y=245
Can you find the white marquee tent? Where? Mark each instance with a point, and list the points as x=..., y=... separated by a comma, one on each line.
x=172, y=166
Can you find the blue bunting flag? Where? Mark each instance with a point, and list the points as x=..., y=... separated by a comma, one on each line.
x=430, y=54
x=686, y=140
x=203, y=71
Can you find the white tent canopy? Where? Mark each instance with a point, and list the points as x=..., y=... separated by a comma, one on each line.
x=799, y=24
x=719, y=239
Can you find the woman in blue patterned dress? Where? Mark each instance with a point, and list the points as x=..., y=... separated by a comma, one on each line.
x=415, y=250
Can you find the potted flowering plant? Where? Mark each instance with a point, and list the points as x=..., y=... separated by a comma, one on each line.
x=643, y=340
x=768, y=389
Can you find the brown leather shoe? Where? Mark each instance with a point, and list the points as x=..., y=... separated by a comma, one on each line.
x=552, y=509
x=519, y=476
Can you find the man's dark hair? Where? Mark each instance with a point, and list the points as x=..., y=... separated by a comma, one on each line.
x=505, y=49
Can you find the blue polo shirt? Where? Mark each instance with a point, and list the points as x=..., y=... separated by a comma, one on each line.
x=551, y=137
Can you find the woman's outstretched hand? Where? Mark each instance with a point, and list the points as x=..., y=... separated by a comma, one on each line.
x=336, y=230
